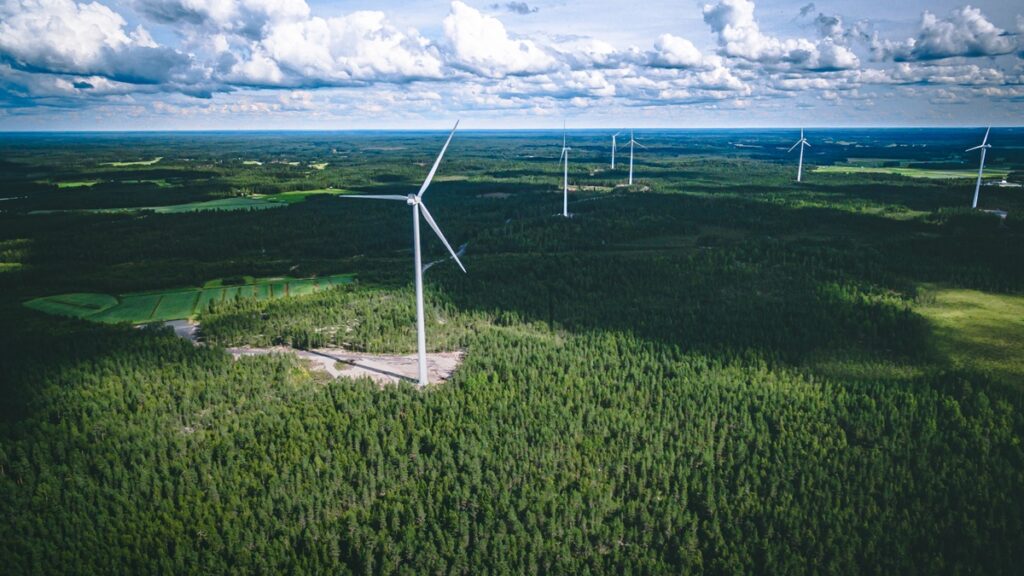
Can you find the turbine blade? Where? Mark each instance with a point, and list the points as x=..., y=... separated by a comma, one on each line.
x=430, y=220
x=806, y=143
x=562, y=155
x=433, y=169
x=983, y=142
x=975, y=148
x=640, y=145
x=791, y=147
x=376, y=196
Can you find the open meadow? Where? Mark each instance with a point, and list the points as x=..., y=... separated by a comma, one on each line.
x=715, y=370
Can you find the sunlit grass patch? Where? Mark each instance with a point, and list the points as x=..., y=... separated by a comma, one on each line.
x=938, y=174
x=78, y=184
x=134, y=163
x=977, y=329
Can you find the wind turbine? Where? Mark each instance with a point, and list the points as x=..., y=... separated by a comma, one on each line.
x=981, y=168
x=565, y=181
x=801, y=143
x=613, y=147
x=418, y=207
x=632, y=141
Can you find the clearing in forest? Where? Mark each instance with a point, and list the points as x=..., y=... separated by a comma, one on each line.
x=976, y=329
x=182, y=303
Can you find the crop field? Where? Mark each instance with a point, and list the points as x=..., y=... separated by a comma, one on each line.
x=176, y=304
x=938, y=174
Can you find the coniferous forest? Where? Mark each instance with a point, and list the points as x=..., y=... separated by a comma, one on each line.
x=714, y=371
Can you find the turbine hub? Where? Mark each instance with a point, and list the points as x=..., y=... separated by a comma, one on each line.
x=412, y=200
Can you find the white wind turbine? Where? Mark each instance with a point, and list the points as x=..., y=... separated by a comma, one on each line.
x=632, y=141
x=801, y=143
x=981, y=168
x=565, y=181
x=418, y=207
x=614, y=136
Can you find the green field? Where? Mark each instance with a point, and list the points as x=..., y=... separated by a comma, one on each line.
x=911, y=172
x=137, y=308
x=297, y=196
x=134, y=163
x=978, y=330
x=78, y=184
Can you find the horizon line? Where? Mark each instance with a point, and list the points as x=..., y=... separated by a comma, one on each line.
x=552, y=129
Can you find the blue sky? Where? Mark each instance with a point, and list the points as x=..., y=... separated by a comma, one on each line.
x=300, y=64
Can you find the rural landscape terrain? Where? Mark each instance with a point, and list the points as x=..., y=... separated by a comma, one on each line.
x=716, y=369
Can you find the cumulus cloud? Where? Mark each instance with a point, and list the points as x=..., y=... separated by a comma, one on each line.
x=965, y=33
x=740, y=36
x=675, y=52
x=481, y=44
x=359, y=47
x=67, y=37
x=246, y=17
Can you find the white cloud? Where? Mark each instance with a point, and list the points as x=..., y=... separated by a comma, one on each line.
x=64, y=36
x=359, y=47
x=481, y=44
x=965, y=33
x=675, y=52
x=740, y=36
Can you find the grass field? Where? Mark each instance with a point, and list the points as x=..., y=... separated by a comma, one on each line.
x=215, y=205
x=978, y=329
x=78, y=184
x=297, y=196
x=134, y=163
x=138, y=308
x=911, y=172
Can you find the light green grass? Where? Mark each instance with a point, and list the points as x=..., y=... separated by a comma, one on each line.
x=223, y=204
x=978, y=329
x=153, y=306
x=134, y=163
x=9, y=266
x=296, y=196
x=78, y=184
x=132, y=308
x=911, y=172
x=76, y=305
x=175, y=305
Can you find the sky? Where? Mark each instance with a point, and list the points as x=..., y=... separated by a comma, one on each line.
x=418, y=64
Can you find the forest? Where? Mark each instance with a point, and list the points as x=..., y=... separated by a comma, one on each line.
x=713, y=371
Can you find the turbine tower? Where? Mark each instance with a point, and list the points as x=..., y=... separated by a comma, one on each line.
x=565, y=181
x=614, y=136
x=418, y=208
x=801, y=143
x=981, y=168
x=632, y=142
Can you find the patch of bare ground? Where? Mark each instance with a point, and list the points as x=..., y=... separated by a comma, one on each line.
x=381, y=368
x=501, y=195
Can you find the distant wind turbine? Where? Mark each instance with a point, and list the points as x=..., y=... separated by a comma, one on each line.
x=565, y=181
x=418, y=207
x=632, y=141
x=614, y=136
x=981, y=167
x=801, y=143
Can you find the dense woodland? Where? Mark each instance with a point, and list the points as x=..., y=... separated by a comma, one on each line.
x=715, y=371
